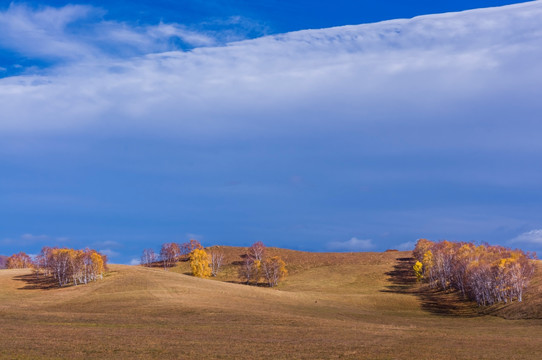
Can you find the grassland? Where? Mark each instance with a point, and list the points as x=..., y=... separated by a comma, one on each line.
x=351, y=306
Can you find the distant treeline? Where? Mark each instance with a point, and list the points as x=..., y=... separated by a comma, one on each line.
x=487, y=274
x=63, y=265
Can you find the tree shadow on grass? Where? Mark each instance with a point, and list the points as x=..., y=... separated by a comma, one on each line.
x=445, y=303
x=42, y=282
x=33, y=282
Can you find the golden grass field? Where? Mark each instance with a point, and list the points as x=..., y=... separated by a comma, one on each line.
x=344, y=306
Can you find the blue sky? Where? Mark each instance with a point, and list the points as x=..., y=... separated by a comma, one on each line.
x=126, y=124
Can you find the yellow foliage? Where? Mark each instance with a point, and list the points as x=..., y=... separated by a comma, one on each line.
x=199, y=263
x=427, y=260
x=422, y=246
x=418, y=270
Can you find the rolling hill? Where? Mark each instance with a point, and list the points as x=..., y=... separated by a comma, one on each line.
x=333, y=305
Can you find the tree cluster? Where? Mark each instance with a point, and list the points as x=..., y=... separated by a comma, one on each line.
x=208, y=262
x=68, y=265
x=202, y=263
x=19, y=261
x=487, y=274
x=149, y=257
x=257, y=265
x=63, y=264
x=170, y=253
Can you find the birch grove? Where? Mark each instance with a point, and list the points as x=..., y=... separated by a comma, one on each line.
x=64, y=265
x=487, y=274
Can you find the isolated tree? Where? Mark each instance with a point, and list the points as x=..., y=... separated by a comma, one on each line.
x=148, y=257
x=199, y=263
x=274, y=270
x=257, y=251
x=217, y=258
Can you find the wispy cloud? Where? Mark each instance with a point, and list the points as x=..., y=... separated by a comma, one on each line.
x=39, y=240
x=409, y=245
x=532, y=237
x=110, y=253
x=354, y=244
x=107, y=243
x=78, y=32
x=431, y=68
x=30, y=237
x=42, y=33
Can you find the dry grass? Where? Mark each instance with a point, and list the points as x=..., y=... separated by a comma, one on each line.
x=354, y=306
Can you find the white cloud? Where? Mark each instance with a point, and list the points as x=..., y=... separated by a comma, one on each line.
x=165, y=31
x=107, y=243
x=409, y=245
x=110, y=253
x=42, y=32
x=77, y=32
x=30, y=237
x=438, y=71
x=533, y=237
x=354, y=244
x=135, y=262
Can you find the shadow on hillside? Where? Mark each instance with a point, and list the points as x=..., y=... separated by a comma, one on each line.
x=445, y=303
x=402, y=277
x=33, y=282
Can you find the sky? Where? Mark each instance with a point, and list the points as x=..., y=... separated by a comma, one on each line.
x=318, y=126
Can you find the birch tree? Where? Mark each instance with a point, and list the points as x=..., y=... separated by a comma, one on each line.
x=217, y=258
x=486, y=274
x=148, y=257
x=257, y=251
x=169, y=254
x=274, y=270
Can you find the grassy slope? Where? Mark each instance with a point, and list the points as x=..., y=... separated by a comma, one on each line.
x=360, y=305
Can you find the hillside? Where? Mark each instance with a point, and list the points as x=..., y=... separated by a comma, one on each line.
x=353, y=305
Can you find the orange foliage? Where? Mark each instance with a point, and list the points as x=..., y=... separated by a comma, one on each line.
x=487, y=274
x=19, y=261
x=69, y=265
